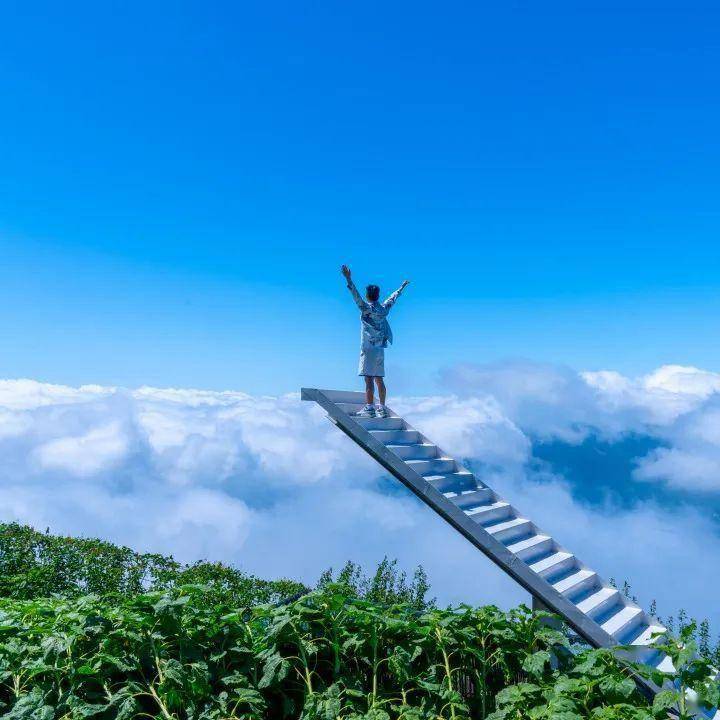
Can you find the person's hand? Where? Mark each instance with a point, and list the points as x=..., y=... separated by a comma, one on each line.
x=345, y=270
x=405, y=283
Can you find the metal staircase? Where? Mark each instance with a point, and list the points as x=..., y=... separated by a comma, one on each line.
x=554, y=576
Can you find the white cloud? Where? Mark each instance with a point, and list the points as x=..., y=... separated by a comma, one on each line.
x=270, y=485
x=682, y=469
x=98, y=449
x=28, y=394
x=691, y=460
x=468, y=427
x=683, y=381
x=658, y=398
x=679, y=406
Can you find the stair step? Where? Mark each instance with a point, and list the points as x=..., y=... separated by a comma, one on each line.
x=642, y=655
x=531, y=547
x=647, y=634
x=574, y=584
x=353, y=408
x=554, y=564
x=419, y=451
x=508, y=529
x=471, y=498
x=376, y=423
x=493, y=511
x=665, y=664
x=633, y=629
x=434, y=465
x=399, y=437
x=599, y=601
x=452, y=482
x=622, y=621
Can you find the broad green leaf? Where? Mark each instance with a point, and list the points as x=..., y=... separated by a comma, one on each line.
x=535, y=664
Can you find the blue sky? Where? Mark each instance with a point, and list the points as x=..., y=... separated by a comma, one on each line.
x=180, y=183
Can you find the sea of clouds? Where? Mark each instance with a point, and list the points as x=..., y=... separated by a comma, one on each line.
x=268, y=484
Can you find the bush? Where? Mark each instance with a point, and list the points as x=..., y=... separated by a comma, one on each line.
x=34, y=564
x=174, y=655
x=92, y=630
x=387, y=585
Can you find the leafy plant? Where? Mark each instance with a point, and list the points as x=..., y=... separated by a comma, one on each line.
x=690, y=685
x=173, y=655
x=34, y=564
x=157, y=639
x=387, y=585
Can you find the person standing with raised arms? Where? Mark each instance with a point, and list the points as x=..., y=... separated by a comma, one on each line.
x=375, y=335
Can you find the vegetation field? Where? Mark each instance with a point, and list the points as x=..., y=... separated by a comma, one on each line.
x=148, y=639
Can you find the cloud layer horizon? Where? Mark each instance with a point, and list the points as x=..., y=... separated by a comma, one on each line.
x=267, y=484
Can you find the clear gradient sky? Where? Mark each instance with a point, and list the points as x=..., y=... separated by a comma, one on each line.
x=180, y=183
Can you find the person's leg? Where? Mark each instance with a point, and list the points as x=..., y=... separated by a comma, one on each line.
x=381, y=390
x=369, y=390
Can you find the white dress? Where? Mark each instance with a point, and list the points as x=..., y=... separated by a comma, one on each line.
x=375, y=332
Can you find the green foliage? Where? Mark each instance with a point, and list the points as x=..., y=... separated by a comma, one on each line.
x=692, y=673
x=701, y=633
x=92, y=630
x=387, y=586
x=34, y=564
x=174, y=655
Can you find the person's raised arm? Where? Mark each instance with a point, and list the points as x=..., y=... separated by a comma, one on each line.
x=391, y=300
x=345, y=270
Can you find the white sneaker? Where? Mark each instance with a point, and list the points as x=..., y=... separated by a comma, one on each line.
x=368, y=411
x=381, y=411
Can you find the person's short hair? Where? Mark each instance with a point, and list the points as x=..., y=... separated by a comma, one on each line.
x=372, y=292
